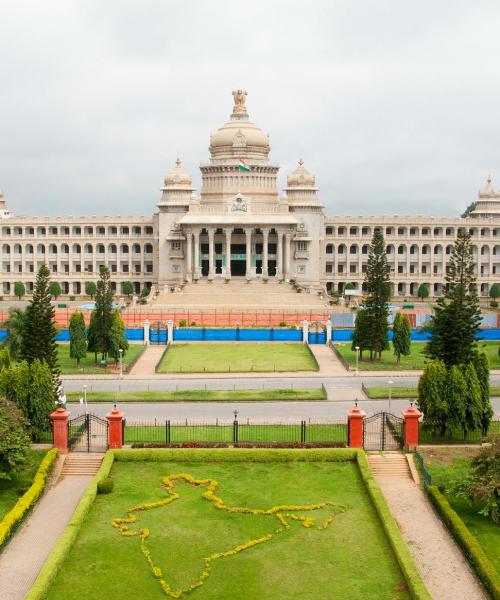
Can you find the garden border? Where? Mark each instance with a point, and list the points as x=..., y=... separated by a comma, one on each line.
x=63, y=545
x=26, y=502
x=342, y=360
x=157, y=366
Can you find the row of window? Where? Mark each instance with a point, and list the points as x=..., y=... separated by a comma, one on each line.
x=29, y=267
x=414, y=249
x=77, y=248
x=414, y=231
x=77, y=287
x=401, y=269
x=403, y=289
x=78, y=230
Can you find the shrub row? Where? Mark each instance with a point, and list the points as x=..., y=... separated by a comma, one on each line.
x=14, y=517
x=416, y=586
x=236, y=455
x=61, y=549
x=469, y=544
x=283, y=445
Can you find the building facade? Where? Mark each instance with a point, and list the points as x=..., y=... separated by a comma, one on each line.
x=241, y=226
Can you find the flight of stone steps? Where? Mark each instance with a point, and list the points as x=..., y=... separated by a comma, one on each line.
x=81, y=464
x=389, y=464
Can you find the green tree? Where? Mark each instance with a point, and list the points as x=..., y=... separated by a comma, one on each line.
x=401, y=336
x=117, y=337
x=90, y=288
x=482, y=367
x=473, y=399
x=19, y=289
x=127, y=288
x=15, y=386
x=361, y=334
x=103, y=321
x=455, y=393
x=14, y=441
x=55, y=289
x=378, y=295
x=15, y=328
x=77, y=337
x=4, y=358
x=91, y=335
x=423, y=291
x=495, y=291
x=457, y=315
x=41, y=397
x=469, y=210
x=431, y=395
x=40, y=331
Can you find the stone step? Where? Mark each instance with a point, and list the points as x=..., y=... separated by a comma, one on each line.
x=389, y=465
x=81, y=464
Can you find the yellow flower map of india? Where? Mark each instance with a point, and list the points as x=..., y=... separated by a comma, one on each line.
x=280, y=515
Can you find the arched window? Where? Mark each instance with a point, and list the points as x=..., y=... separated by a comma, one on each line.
x=112, y=248
x=40, y=249
x=148, y=248
x=77, y=249
x=136, y=248
x=329, y=248
x=52, y=249
x=438, y=249
x=28, y=249
x=353, y=249
x=124, y=248
x=64, y=249
x=88, y=249
x=100, y=248
x=402, y=249
x=6, y=249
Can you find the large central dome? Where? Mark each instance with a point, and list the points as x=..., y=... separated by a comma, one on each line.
x=239, y=137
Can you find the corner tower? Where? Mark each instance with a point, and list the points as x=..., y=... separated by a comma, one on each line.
x=239, y=161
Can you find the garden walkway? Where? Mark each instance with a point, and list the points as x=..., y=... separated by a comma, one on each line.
x=146, y=364
x=328, y=361
x=24, y=556
x=443, y=567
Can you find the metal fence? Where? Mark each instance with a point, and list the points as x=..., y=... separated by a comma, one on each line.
x=430, y=433
x=234, y=432
x=426, y=476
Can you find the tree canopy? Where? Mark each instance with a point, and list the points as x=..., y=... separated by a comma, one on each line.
x=77, y=337
x=401, y=336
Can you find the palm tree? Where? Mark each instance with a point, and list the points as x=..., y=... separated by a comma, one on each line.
x=14, y=325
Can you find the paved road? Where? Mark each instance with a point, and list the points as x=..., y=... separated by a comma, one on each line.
x=254, y=411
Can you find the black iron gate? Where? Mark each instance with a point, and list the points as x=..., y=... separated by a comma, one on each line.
x=383, y=431
x=88, y=433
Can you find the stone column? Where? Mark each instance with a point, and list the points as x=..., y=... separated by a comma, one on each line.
x=59, y=420
x=115, y=430
x=265, y=240
x=211, y=236
x=288, y=250
x=170, y=331
x=411, y=416
x=196, y=253
x=146, y=333
x=328, y=332
x=228, y=253
x=279, y=255
x=189, y=257
x=305, y=332
x=248, y=239
x=355, y=424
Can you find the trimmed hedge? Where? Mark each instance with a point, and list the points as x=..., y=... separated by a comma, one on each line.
x=60, y=551
x=14, y=517
x=416, y=586
x=469, y=544
x=282, y=445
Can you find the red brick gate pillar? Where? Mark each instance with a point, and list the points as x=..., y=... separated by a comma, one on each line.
x=411, y=416
x=355, y=423
x=115, y=431
x=59, y=420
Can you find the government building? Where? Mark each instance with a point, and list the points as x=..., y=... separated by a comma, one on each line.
x=241, y=227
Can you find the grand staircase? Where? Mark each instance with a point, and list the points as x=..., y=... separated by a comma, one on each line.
x=81, y=464
x=238, y=293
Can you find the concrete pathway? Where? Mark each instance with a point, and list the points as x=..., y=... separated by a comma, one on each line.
x=443, y=567
x=145, y=366
x=328, y=361
x=25, y=554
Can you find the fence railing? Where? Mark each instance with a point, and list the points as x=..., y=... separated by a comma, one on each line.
x=430, y=433
x=423, y=469
x=234, y=432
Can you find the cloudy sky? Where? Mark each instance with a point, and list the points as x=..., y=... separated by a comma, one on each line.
x=393, y=104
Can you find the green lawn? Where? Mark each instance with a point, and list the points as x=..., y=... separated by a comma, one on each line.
x=87, y=365
x=382, y=393
x=448, y=464
x=203, y=395
x=237, y=358
x=416, y=359
x=12, y=489
x=223, y=432
x=348, y=560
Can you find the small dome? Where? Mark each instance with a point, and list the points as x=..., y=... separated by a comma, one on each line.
x=301, y=177
x=489, y=191
x=178, y=178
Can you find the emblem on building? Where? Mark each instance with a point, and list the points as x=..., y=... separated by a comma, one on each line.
x=239, y=204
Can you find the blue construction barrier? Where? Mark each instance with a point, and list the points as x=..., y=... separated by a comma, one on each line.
x=236, y=335
x=317, y=337
x=345, y=335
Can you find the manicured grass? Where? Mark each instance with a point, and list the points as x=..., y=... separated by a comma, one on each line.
x=12, y=489
x=415, y=361
x=237, y=358
x=203, y=395
x=224, y=432
x=382, y=393
x=450, y=464
x=87, y=364
x=301, y=563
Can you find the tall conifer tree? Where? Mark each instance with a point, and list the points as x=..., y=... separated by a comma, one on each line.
x=457, y=314
x=102, y=317
x=379, y=292
x=77, y=337
x=401, y=336
x=39, y=329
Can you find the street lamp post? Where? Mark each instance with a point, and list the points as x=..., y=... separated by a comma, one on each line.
x=390, y=382
x=85, y=398
x=120, y=350
x=357, y=360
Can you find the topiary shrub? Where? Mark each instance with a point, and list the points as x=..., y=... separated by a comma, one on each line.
x=182, y=323
x=494, y=304
x=105, y=486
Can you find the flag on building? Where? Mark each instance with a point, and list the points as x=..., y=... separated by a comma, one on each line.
x=243, y=166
